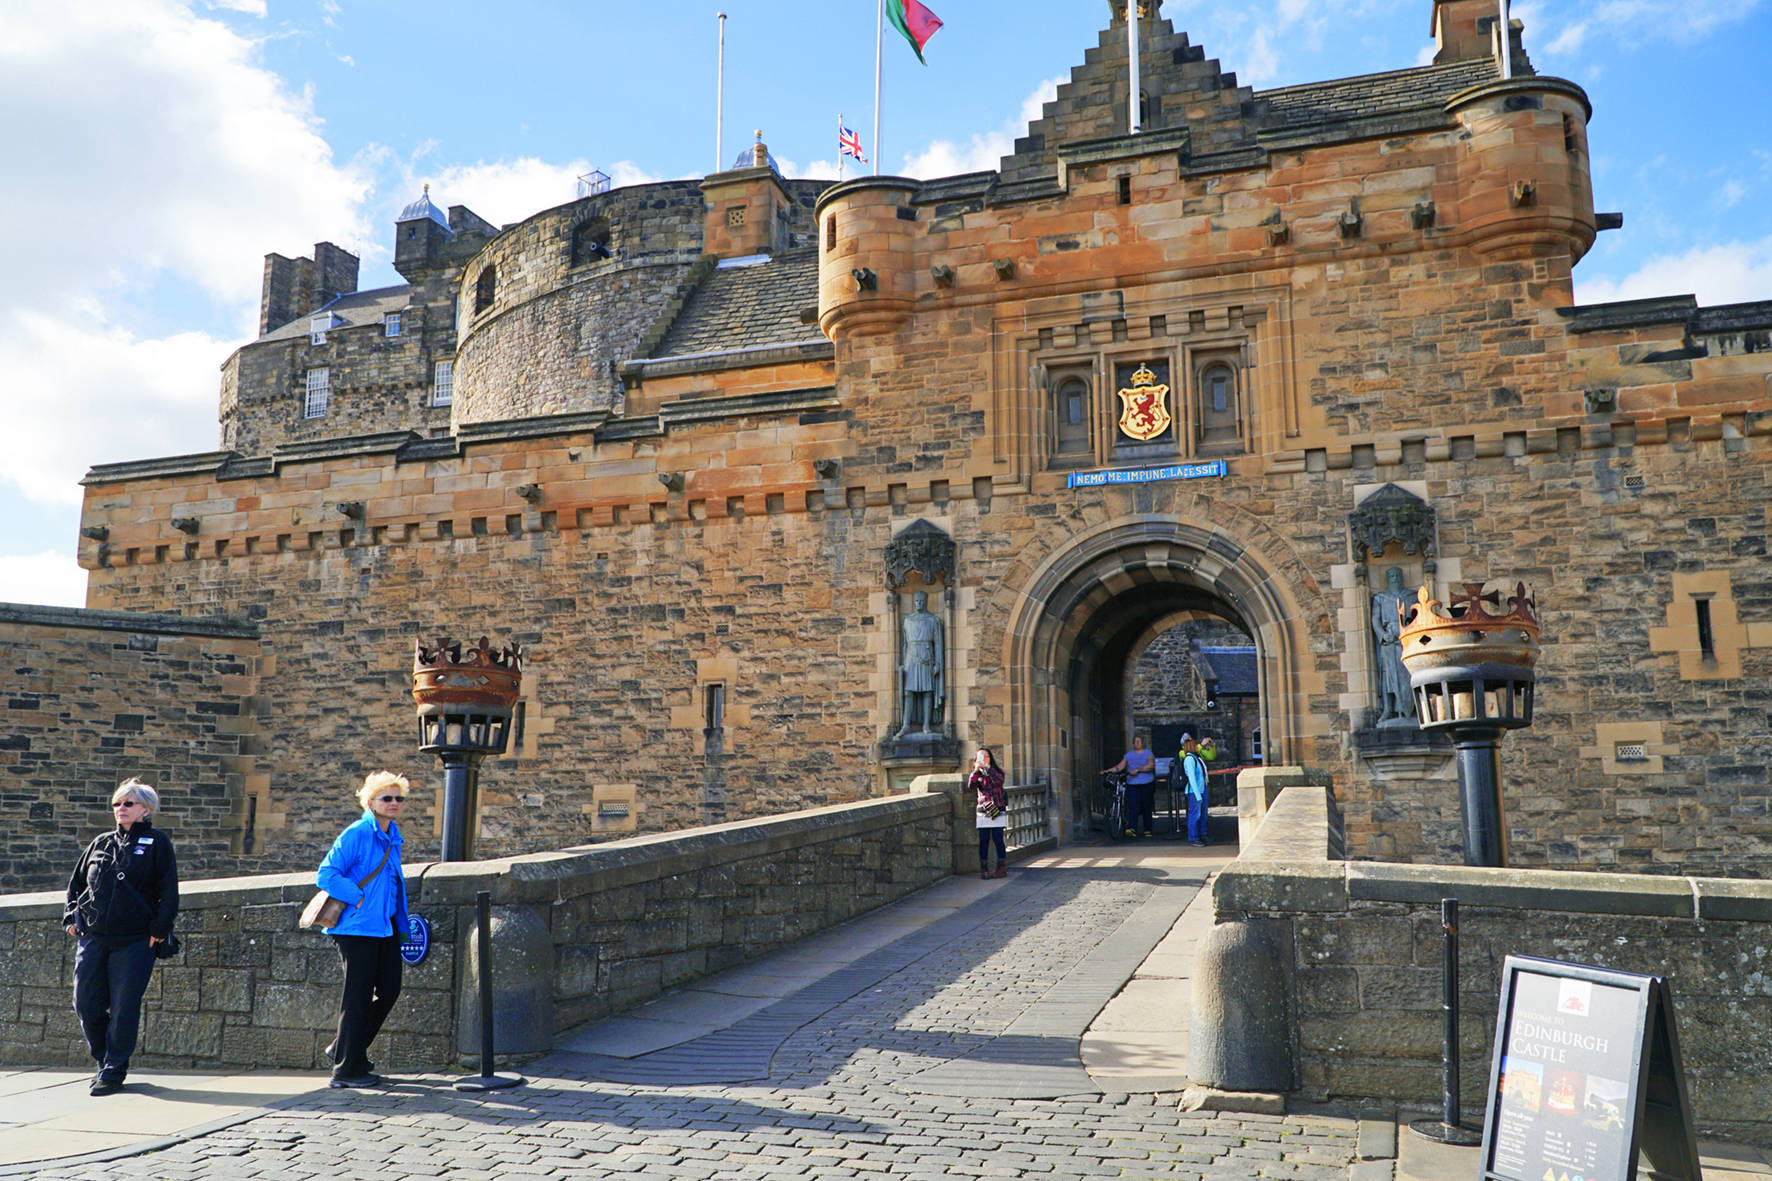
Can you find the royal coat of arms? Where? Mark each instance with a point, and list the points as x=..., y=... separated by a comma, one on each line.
x=1144, y=408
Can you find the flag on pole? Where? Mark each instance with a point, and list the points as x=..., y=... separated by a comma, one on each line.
x=849, y=143
x=916, y=22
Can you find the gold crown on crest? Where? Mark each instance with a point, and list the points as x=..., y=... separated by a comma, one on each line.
x=1143, y=376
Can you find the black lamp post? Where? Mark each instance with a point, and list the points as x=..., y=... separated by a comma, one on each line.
x=465, y=699
x=1470, y=668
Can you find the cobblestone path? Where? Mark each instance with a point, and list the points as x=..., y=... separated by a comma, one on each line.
x=863, y=1084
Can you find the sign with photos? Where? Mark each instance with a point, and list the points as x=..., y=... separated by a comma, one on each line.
x=1586, y=1078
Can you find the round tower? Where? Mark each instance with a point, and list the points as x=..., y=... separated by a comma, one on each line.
x=1524, y=182
x=866, y=275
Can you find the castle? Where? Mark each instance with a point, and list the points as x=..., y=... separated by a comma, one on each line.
x=696, y=445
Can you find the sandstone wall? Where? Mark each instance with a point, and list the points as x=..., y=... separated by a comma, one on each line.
x=626, y=920
x=1362, y=949
x=95, y=697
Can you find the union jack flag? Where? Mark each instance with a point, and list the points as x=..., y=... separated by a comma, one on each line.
x=849, y=143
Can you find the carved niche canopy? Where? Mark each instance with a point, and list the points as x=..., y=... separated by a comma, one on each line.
x=1392, y=514
x=924, y=548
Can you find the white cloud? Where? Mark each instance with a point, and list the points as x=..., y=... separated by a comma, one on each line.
x=1732, y=272
x=49, y=578
x=985, y=150
x=159, y=156
x=504, y=191
x=1632, y=24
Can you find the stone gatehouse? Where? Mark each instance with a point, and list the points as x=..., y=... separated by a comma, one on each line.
x=696, y=445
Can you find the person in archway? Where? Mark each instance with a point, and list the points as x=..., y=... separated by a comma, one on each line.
x=1193, y=776
x=1140, y=766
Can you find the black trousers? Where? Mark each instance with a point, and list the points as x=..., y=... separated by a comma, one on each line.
x=986, y=838
x=108, y=986
x=373, y=970
x=1141, y=800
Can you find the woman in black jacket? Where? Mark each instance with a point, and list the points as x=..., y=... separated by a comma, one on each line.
x=121, y=901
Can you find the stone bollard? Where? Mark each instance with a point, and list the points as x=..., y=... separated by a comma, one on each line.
x=965, y=806
x=1240, y=1035
x=522, y=983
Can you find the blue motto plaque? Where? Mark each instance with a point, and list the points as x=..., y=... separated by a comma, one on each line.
x=417, y=943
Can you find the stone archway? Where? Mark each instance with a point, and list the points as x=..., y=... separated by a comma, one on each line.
x=1083, y=611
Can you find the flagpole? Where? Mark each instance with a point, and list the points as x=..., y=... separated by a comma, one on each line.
x=879, y=32
x=1132, y=60
x=839, y=145
x=1507, y=42
x=720, y=102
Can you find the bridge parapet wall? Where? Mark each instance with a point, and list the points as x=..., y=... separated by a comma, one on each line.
x=628, y=920
x=1360, y=947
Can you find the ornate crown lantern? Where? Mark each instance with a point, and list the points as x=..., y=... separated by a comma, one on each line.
x=465, y=697
x=1471, y=661
x=1470, y=666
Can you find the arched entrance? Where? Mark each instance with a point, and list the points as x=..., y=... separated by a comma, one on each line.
x=1090, y=607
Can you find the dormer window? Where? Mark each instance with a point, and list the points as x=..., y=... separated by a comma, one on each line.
x=390, y=324
x=318, y=326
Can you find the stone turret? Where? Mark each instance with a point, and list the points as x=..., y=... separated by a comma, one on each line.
x=1524, y=185
x=866, y=255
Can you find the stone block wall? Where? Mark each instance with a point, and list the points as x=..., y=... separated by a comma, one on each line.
x=628, y=920
x=95, y=697
x=1362, y=953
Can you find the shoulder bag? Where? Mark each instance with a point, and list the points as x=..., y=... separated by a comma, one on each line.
x=323, y=910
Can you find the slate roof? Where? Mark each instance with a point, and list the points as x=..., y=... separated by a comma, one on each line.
x=750, y=305
x=355, y=309
x=1235, y=669
x=1316, y=104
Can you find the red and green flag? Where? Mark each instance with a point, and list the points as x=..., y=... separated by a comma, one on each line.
x=916, y=22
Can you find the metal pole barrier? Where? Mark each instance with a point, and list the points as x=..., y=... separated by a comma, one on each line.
x=485, y=1080
x=1449, y=1129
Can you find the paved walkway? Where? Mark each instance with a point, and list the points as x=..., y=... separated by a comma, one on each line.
x=1027, y=1027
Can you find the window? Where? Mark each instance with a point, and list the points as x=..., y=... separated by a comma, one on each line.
x=390, y=324
x=443, y=383
x=1218, y=428
x=830, y=233
x=590, y=242
x=485, y=288
x=715, y=702
x=317, y=326
x=319, y=386
x=1071, y=412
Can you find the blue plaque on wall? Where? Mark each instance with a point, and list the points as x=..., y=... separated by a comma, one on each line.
x=417, y=943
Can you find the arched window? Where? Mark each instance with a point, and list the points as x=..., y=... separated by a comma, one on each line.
x=1219, y=421
x=590, y=242
x=1070, y=407
x=485, y=288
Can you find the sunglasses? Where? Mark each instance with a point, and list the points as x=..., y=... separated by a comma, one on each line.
x=390, y=799
x=127, y=804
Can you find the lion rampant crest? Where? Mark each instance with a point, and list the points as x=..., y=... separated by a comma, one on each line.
x=1144, y=408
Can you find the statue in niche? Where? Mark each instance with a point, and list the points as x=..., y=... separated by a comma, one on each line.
x=920, y=680
x=1396, y=704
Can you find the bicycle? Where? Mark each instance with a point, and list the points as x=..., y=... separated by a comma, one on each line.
x=1114, y=806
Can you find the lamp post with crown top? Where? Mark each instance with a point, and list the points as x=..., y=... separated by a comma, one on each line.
x=1471, y=670
x=465, y=700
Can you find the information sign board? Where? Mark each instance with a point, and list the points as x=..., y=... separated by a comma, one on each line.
x=1585, y=1078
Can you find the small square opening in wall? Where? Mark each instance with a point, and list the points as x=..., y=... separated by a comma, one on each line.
x=735, y=216
x=1630, y=752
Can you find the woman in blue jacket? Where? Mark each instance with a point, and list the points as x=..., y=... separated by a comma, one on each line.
x=363, y=871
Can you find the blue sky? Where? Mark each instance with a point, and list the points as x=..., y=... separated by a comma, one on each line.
x=156, y=150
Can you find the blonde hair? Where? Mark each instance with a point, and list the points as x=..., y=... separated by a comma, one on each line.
x=377, y=780
x=134, y=789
